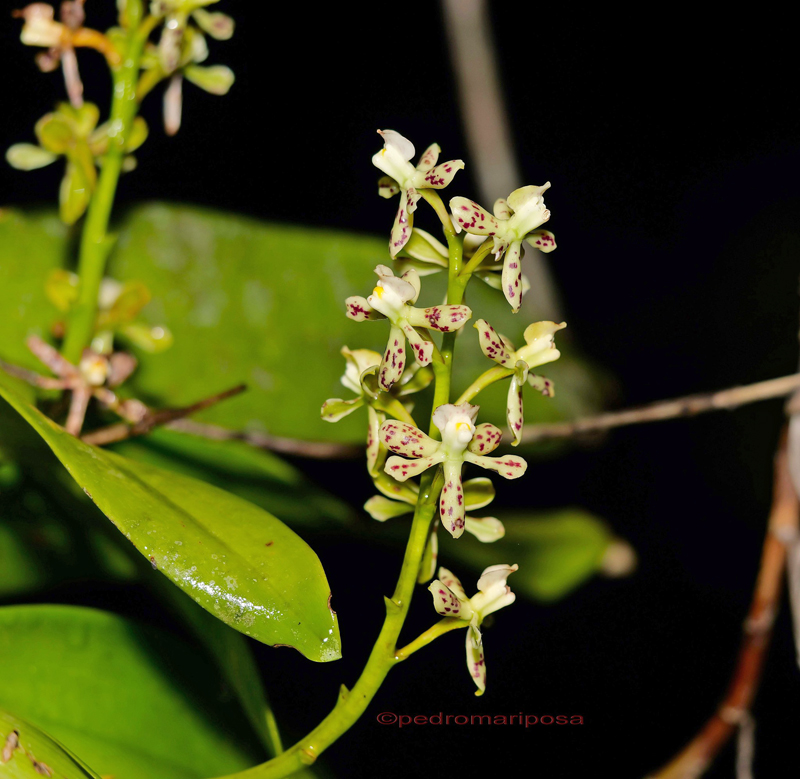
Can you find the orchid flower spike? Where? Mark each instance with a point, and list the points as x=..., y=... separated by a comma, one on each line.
x=403, y=177
x=392, y=299
x=450, y=600
x=461, y=442
x=540, y=348
x=359, y=376
x=514, y=221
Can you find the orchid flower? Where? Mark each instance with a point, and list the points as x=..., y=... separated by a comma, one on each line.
x=450, y=600
x=392, y=299
x=539, y=349
x=403, y=177
x=359, y=376
x=461, y=442
x=514, y=221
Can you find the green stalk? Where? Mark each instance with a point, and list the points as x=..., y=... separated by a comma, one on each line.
x=385, y=655
x=95, y=241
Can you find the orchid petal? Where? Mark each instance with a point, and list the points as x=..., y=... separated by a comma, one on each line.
x=451, y=502
x=493, y=590
x=421, y=349
x=402, y=438
x=501, y=209
x=427, y=567
x=529, y=209
x=451, y=581
x=475, y=660
x=394, y=359
x=486, y=529
x=407, y=492
x=381, y=508
x=492, y=344
x=469, y=216
x=440, y=176
x=514, y=403
x=424, y=247
x=359, y=310
x=335, y=409
x=358, y=361
x=401, y=229
x=396, y=144
x=509, y=467
x=447, y=603
x=415, y=379
x=478, y=493
x=540, y=345
x=443, y=319
x=387, y=187
x=401, y=469
x=429, y=157
x=512, y=276
x=543, y=384
x=412, y=277
x=486, y=439
x=543, y=240
x=449, y=411
x=373, y=440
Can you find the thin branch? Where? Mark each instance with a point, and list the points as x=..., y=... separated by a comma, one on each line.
x=667, y=409
x=322, y=450
x=734, y=710
x=121, y=431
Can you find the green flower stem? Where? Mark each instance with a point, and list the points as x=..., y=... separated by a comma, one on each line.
x=445, y=625
x=95, y=241
x=483, y=251
x=431, y=196
x=384, y=656
x=394, y=407
x=498, y=373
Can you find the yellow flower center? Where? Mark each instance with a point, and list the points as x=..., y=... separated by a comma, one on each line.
x=378, y=291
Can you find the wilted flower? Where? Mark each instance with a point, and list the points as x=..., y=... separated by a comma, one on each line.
x=450, y=600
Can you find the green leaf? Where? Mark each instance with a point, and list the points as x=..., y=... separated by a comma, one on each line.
x=28, y=753
x=556, y=551
x=245, y=302
x=253, y=474
x=236, y=560
x=132, y=701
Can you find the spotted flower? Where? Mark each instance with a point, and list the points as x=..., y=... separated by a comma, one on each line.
x=359, y=376
x=450, y=600
x=401, y=498
x=461, y=442
x=539, y=349
x=392, y=299
x=403, y=177
x=514, y=221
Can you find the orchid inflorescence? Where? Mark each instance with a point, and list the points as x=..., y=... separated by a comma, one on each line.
x=397, y=449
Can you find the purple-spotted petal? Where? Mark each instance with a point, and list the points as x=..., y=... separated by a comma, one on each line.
x=486, y=439
x=394, y=359
x=420, y=348
x=486, y=529
x=475, y=660
x=443, y=318
x=359, y=310
x=543, y=384
x=400, y=469
x=501, y=209
x=543, y=240
x=407, y=492
x=450, y=580
x=447, y=603
x=492, y=344
x=514, y=402
x=402, y=438
x=373, y=440
x=387, y=187
x=440, y=176
x=451, y=501
x=335, y=409
x=512, y=276
x=469, y=216
x=401, y=229
x=429, y=157
x=509, y=467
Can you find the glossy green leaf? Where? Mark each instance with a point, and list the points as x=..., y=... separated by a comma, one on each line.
x=246, y=301
x=28, y=753
x=132, y=701
x=236, y=560
x=556, y=551
x=254, y=474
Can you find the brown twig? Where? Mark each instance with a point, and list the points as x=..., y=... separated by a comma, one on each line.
x=121, y=431
x=323, y=450
x=782, y=528
x=667, y=409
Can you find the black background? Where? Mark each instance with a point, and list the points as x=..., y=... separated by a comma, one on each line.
x=673, y=146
